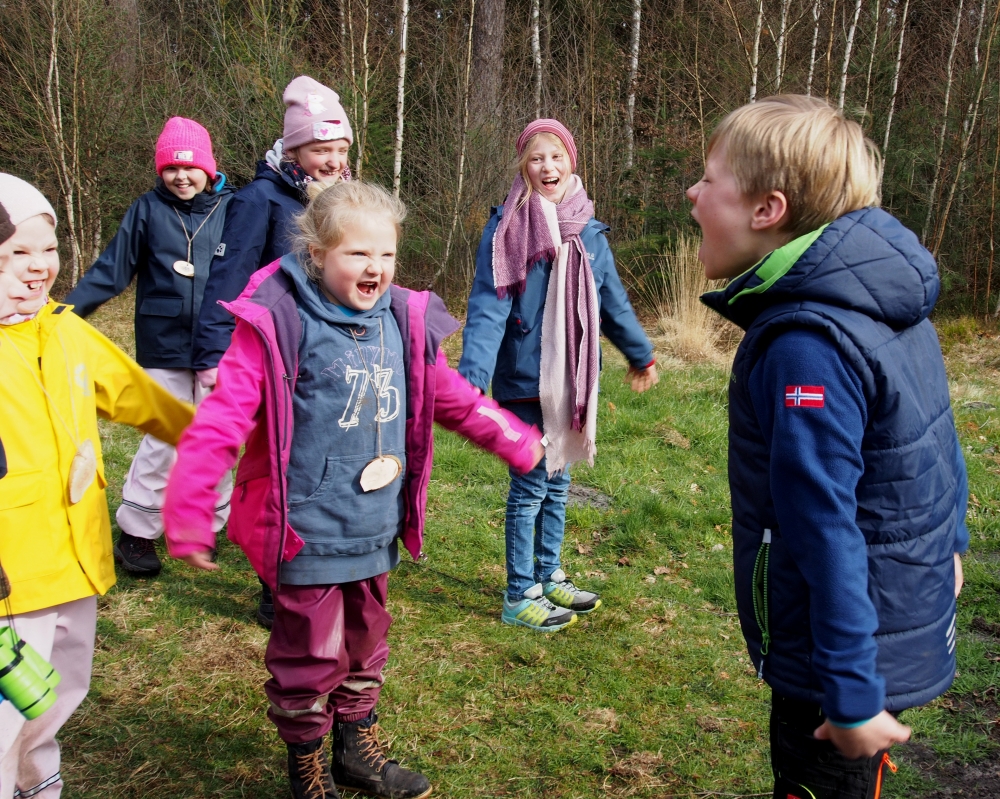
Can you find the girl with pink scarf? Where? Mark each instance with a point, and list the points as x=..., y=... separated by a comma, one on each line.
x=545, y=288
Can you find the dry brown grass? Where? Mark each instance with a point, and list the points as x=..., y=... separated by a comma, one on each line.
x=690, y=331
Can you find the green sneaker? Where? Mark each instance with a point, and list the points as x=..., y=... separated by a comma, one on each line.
x=536, y=612
x=560, y=591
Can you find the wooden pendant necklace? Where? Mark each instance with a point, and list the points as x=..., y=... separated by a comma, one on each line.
x=186, y=268
x=83, y=468
x=381, y=471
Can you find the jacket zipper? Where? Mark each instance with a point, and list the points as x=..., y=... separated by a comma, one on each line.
x=760, y=597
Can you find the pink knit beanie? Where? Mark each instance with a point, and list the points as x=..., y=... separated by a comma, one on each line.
x=313, y=113
x=557, y=129
x=22, y=200
x=183, y=142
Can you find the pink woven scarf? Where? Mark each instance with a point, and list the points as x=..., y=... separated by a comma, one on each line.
x=523, y=238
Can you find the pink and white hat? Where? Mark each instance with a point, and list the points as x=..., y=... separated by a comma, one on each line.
x=557, y=129
x=183, y=142
x=22, y=200
x=313, y=113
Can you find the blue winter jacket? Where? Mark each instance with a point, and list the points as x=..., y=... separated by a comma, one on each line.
x=847, y=480
x=502, y=340
x=148, y=242
x=259, y=226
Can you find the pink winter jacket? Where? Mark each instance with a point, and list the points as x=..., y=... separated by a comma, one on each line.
x=252, y=404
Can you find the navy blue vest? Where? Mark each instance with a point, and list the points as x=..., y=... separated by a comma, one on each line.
x=868, y=285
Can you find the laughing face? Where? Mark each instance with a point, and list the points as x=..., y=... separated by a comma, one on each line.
x=30, y=261
x=184, y=182
x=323, y=160
x=360, y=268
x=548, y=168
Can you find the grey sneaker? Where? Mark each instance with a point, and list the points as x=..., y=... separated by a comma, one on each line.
x=560, y=591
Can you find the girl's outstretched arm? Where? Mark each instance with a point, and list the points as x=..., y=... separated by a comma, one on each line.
x=211, y=446
x=459, y=407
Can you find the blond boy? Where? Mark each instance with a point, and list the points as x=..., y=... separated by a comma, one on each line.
x=848, y=484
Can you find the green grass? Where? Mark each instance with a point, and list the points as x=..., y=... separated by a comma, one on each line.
x=652, y=695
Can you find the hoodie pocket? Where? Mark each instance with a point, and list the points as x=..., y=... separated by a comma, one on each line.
x=339, y=518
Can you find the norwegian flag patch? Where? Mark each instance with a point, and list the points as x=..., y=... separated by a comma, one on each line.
x=804, y=396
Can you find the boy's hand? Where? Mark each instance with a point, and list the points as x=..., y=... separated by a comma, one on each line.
x=537, y=452
x=201, y=560
x=642, y=379
x=867, y=740
x=959, y=575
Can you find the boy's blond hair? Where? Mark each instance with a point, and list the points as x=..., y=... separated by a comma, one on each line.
x=803, y=147
x=321, y=226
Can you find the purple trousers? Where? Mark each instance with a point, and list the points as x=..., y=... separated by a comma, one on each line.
x=327, y=650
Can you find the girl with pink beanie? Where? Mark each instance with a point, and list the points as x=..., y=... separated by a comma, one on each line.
x=165, y=242
x=261, y=220
x=545, y=289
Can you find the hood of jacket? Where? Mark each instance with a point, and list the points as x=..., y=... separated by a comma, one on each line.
x=312, y=299
x=865, y=261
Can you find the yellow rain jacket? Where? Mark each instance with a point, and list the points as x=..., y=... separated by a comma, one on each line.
x=53, y=551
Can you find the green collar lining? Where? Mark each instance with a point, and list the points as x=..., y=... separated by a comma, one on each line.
x=775, y=265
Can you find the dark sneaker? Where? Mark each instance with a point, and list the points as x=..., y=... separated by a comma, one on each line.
x=265, y=609
x=137, y=555
x=309, y=771
x=360, y=764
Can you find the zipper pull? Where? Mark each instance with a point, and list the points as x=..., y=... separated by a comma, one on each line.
x=760, y=671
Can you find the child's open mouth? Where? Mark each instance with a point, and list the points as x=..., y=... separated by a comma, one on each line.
x=550, y=182
x=368, y=289
x=35, y=285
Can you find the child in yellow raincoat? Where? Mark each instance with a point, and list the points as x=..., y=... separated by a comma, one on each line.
x=58, y=375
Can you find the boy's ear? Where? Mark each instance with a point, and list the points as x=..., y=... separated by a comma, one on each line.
x=770, y=212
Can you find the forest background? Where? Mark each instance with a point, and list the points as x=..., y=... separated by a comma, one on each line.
x=437, y=91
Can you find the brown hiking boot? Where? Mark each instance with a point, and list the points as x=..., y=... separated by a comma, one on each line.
x=309, y=771
x=360, y=764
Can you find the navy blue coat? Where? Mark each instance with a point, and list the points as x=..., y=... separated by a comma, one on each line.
x=502, y=340
x=148, y=242
x=259, y=225
x=848, y=484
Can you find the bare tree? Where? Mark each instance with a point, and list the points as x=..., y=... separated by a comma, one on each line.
x=968, y=128
x=829, y=47
x=536, y=56
x=755, y=58
x=847, y=55
x=895, y=78
x=949, y=80
x=779, y=68
x=397, y=163
x=366, y=76
x=487, y=61
x=633, y=71
x=871, y=59
x=812, y=52
x=464, y=144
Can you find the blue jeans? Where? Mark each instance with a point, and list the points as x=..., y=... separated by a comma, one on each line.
x=536, y=517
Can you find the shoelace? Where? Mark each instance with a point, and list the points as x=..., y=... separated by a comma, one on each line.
x=313, y=771
x=567, y=585
x=544, y=603
x=142, y=546
x=372, y=740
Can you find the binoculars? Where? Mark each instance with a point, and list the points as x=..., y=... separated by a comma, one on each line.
x=27, y=680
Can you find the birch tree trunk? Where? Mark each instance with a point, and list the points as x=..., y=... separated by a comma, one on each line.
x=847, y=55
x=829, y=48
x=895, y=79
x=397, y=164
x=779, y=70
x=969, y=128
x=871, y=60
x=755, y=58
x=365, y=75
x=812, y=52
x=462, y=149
x=536, y=55
x=950, y=77
x=633, y=72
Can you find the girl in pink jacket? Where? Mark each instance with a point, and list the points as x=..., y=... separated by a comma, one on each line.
x=333, y=382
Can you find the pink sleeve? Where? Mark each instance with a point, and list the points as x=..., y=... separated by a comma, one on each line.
x=211, y=445
x=461, y=408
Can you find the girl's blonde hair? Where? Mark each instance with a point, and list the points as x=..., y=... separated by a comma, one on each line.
x=337, y=206
x=808, y=150
x=525, y=157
